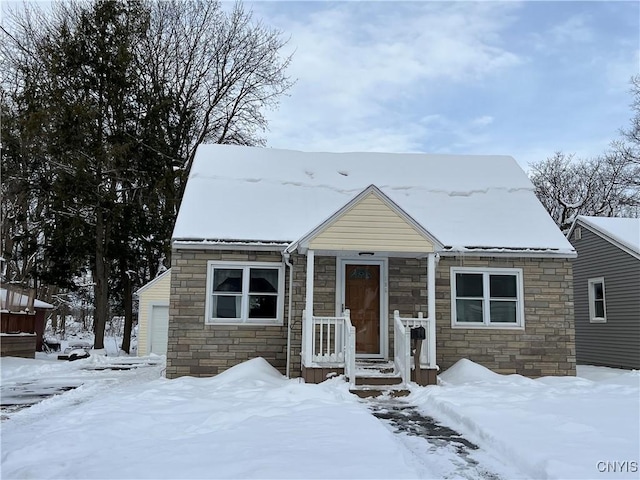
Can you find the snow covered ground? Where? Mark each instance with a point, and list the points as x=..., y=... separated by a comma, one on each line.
x=552, y=427
x=251, y=422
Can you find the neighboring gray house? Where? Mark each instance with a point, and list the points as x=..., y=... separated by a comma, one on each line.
x=606, y=284
x=322, y=262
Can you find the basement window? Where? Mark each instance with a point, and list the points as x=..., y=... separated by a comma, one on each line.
x=597, y=303
x=244, y=292
x=487, y=297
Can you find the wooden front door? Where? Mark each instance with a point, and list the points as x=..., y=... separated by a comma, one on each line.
x=362, y=297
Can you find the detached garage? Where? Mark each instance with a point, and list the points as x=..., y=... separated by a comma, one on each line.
x=153, y=315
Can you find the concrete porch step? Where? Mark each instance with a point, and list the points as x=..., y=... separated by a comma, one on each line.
x=378, y=380
x=368, y=391
x=370, y=368
x=375, y=378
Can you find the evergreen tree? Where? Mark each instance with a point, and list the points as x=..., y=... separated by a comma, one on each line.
x=105, y=105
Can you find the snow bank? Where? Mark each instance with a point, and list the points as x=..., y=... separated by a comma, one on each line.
x=249, y=422
x=465, y=371
x=551, y=427
x=256, y=371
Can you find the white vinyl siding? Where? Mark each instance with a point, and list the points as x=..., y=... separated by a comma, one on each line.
x=159, y=329
x=597, y=301
x=371, y=225
x=244, y=293
x=487, y=298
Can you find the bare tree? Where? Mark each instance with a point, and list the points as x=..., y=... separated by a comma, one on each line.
x=568, y=187
x=114, y=98
x=608, y=185
x=221, y=71
x=632, y=134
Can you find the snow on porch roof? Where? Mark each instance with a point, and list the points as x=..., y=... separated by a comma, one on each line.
x=467, y=202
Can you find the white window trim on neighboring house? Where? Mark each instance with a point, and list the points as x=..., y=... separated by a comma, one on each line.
x=592, y=301
x=244, y=319
x=486, y=323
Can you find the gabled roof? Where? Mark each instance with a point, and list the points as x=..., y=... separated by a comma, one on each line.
x=261, y=196
x=621, y=232
x=370, y=190
x=151, y=283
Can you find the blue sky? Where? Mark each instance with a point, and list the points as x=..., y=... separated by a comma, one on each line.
x=519, y=78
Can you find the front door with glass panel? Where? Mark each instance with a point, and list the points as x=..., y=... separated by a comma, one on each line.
x=362, y=285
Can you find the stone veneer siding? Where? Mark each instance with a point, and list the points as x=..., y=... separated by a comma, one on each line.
x=407, y=282
x=547, y=344
x=201, y=350
x=407, y=285
x=545, y=347
x=324, y=299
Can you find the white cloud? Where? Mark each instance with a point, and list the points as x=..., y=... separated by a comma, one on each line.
x=574, y=29
x=361, y=67
x=523, y=79
x=482, y=121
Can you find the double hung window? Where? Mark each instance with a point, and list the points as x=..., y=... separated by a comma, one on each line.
x=244, y=292
x=487, y=297
x=597, y=304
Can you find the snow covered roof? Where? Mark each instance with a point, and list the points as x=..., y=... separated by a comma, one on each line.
x=270, y=196
x=24, y=299
x=624, y=232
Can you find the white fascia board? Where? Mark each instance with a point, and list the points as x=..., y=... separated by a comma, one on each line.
x=373, y=254
x=303, y=242
x=222, y=245
x=503, y=252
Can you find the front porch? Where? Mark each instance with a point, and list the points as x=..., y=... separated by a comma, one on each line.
x=333, y=352
x=367, y=338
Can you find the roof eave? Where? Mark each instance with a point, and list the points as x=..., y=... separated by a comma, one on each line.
x=508, y=252
x=206, y=244
x=605, y=236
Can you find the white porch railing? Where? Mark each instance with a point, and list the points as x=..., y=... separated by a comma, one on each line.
x=350, y=349
x=428, y=350
x=402, y=349
x=329, y=342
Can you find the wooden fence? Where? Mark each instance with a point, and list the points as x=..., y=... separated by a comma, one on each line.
x=22, y=345
x=11, y=322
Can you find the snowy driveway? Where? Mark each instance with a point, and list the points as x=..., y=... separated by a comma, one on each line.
x=28, y=382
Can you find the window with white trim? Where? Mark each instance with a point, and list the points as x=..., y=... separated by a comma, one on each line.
x=597, y=303
x=487, y=297
x=244, y=292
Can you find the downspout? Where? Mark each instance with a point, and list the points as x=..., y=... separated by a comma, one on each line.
x=286, y=256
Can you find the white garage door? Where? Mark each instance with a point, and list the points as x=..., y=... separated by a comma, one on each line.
x=159, y=329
